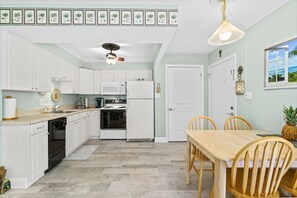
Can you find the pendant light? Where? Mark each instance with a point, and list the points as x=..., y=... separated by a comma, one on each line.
x=226, y=32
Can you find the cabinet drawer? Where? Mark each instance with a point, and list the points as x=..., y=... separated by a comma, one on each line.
x=96, y=113
x=39, y=127
x=71, y=118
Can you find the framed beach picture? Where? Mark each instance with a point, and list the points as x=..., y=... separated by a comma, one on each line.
x=281, y=65
x=53, y=17
x=126, y=17
x=41, y=17
x=90, y=17
x=162, y=18
x=17, y=16
x=114, y=17
x=102, y=17
x=173, y=20
x=150, y=17
x=66, y=17
x=138, y=17
x=29, y=17
x=5, y=16
x=78, y=17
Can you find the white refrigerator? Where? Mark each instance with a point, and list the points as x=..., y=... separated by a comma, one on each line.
x=140, y=110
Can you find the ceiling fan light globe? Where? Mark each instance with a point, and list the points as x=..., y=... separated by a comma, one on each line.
x=225, y=30
x=111, y=61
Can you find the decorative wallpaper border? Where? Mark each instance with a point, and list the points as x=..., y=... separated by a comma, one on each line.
x=92, y=16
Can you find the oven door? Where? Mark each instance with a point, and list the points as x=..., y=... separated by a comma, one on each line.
x=113, y=119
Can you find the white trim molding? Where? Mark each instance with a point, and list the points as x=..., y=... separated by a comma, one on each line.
x=161, y=139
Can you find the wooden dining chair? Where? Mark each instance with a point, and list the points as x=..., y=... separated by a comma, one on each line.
x=289, y=182
x=237, y=123
x=200, y=123
x=263, y=164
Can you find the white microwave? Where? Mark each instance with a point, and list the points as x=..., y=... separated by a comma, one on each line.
x=113, y=88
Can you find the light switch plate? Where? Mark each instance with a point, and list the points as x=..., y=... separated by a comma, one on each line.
x=248, y=95
x=157, y=95
x=41, y=102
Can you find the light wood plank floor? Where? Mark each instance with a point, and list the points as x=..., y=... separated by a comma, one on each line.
x=121, y=169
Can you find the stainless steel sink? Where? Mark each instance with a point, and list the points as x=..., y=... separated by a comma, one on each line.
x=63, y=111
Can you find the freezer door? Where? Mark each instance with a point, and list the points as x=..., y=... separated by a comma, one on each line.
x=140, y=119
x=140, y=89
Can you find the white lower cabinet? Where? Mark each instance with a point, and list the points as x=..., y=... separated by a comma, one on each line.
x=77, y=131
x=95, y=131
x=39, y=151
x=24, y=152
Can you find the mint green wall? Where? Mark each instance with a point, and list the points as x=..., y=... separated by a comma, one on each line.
x=120, y=65
x=265, y=109
x=160, y=73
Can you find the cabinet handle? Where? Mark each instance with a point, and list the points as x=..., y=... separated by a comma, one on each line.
x=47, y=133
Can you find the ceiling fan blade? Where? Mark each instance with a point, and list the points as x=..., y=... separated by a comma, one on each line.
x=120, y=59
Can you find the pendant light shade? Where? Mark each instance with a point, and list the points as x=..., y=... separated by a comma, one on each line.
x=111, y=61
x=226, y=33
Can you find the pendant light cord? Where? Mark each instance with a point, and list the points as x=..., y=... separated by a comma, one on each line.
x=223, y=9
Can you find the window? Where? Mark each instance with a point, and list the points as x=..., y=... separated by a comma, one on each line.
x=281, y=65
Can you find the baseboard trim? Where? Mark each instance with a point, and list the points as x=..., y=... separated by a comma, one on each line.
x=161, y=140
x=19, y=183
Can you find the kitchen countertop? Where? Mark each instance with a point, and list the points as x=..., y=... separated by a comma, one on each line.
x=42, y=117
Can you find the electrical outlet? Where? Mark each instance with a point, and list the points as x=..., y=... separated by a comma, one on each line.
x=41, y=102
x=248, y=95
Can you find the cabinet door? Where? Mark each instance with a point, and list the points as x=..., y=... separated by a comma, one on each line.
x=39, y=154
x=86, y=81
x=42, y=61
x=66, y=71
x=88, y=127
x=107, y=76
x=56, y=67
x=97, y=81
x=70, y=137
x=75, y=80
x=138, y=75
x=95, y=126
x=20, y=64
x=119, y=75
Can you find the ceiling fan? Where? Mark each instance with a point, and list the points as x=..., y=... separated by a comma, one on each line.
x=111, y=58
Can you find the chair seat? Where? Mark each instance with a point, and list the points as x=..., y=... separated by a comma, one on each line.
x=237, y=190
x=287, y=181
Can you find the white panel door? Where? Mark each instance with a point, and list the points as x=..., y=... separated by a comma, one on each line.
x=140, y=119
x=222, y=91
x=185, y=99
x=42, y=65
x=39, y=151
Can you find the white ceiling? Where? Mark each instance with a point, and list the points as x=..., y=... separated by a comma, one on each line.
x=198, y=19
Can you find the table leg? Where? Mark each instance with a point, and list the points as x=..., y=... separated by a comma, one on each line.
x=220, y=179
x=188, y=158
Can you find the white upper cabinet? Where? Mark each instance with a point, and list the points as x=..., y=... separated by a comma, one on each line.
x=75, y=79
x=42, y=63
x=56, y=65
x=66, y=71
x=17, y=63
x=97, y=81
x=86, y=81
x=139, y=75
x=113, y=75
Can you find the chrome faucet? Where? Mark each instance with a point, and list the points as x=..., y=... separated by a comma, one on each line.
x=56, y=107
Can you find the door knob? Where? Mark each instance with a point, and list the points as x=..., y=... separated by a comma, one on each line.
x=170, y=109
x=230, y=114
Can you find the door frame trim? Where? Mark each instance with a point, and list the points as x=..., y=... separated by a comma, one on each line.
x=167, y=66
x=232, y=56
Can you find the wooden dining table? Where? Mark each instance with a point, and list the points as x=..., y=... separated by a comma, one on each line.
x=220, y=146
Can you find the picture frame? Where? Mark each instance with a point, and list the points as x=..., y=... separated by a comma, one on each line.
x=173, y=18
x=90, y=17
x=126, y=17
x=17, y=16
x=138, y=17
x=41, y=17
x=281, y=65
x=5, y=16
x=53, y=16
x=162, y=18
x=150, y=17
x=29, y=16
x=102, y=17
x=66, y=17
x=114, y=17
x=78, y=17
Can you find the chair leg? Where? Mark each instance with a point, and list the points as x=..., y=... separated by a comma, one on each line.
x=212, y=193
x=192, y=162
x=213, y=168
x=200, y=178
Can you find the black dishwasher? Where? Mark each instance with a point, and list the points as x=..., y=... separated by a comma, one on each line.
x=56, y=142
